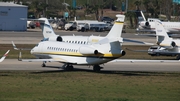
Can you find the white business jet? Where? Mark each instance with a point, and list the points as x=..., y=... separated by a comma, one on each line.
x=106, y=49
x=149, y=25
x=4, y=56
x=167, y=45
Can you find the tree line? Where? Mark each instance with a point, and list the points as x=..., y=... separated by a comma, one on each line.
x=49, y=8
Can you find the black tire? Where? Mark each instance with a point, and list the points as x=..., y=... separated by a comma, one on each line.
x=82, y=29
x=96, y=68
x=71, y=28
x=43, y=65
x=97, y=29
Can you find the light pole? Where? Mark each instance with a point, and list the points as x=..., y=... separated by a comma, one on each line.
x=126, y=5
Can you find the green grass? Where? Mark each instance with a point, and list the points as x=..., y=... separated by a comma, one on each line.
x=88, y=86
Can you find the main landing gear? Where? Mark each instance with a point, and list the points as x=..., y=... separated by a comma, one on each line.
x=68, y=67
x=97, y=68
x=44, y=64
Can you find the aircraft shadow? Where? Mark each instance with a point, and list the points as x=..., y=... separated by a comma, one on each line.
x=124, y=73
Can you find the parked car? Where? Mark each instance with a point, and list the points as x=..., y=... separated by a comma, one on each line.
x=107, y=19
x=159, y=51
x=31, y=24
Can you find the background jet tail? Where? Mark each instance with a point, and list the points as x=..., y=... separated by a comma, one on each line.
x=161, y=33
x=140, y=16
x=116, y=30
x=46, y=28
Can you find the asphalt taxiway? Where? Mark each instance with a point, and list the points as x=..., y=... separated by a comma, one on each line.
x=34, y=36
x=14, y=64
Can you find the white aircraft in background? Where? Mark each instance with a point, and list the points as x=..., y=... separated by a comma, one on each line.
x=106, y=49
x=4, y=56
x=149, y=25
x=167, y=45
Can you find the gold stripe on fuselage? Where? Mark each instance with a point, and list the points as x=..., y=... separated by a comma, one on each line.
x=81, y=55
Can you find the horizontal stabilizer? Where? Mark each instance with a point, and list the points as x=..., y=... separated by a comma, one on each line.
x=139, y=42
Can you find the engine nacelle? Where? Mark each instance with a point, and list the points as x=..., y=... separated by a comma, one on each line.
x=173, y=44
x=88, y=50
x=55, y=38
x=147, y=24
x=168, y=45
x=123, y=52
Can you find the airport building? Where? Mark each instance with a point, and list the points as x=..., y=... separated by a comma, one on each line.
x=13, y=17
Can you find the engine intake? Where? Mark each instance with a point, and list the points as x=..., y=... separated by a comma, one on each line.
x=173, y=44
x=147, y=23
x=56, y=38
x=123, y=53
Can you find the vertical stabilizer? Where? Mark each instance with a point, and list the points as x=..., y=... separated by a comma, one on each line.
x=144, y=19
x=161, y=33
x=46, y=28
x=116, y=30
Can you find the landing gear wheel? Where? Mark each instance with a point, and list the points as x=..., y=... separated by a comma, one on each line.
x=69, y=67
x=43, y=65
x=96, y=68
x=178, y=57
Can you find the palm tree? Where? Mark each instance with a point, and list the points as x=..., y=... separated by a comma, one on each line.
x=130, y=15
x=137, y=3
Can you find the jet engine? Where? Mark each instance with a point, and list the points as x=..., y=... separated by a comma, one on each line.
x=147, y=23
x=123, y=52
x=55, y=38
x=88, y=50
x=168, y=45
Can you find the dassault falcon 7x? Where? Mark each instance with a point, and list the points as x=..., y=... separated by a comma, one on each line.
x=106, y=49
x=149, y=25
x=168, y=46
x=4, y=56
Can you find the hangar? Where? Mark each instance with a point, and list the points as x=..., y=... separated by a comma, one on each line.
x=13, y=17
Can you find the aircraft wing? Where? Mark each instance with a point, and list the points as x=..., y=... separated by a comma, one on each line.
x=135, y=41
x=35, y=60
x=15, y=48
x=4, y=56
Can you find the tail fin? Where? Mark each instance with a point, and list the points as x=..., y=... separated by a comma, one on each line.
x=116, y=30
x=4, y=56
x=161, y=33
x=46, y=28
x=140, y=16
